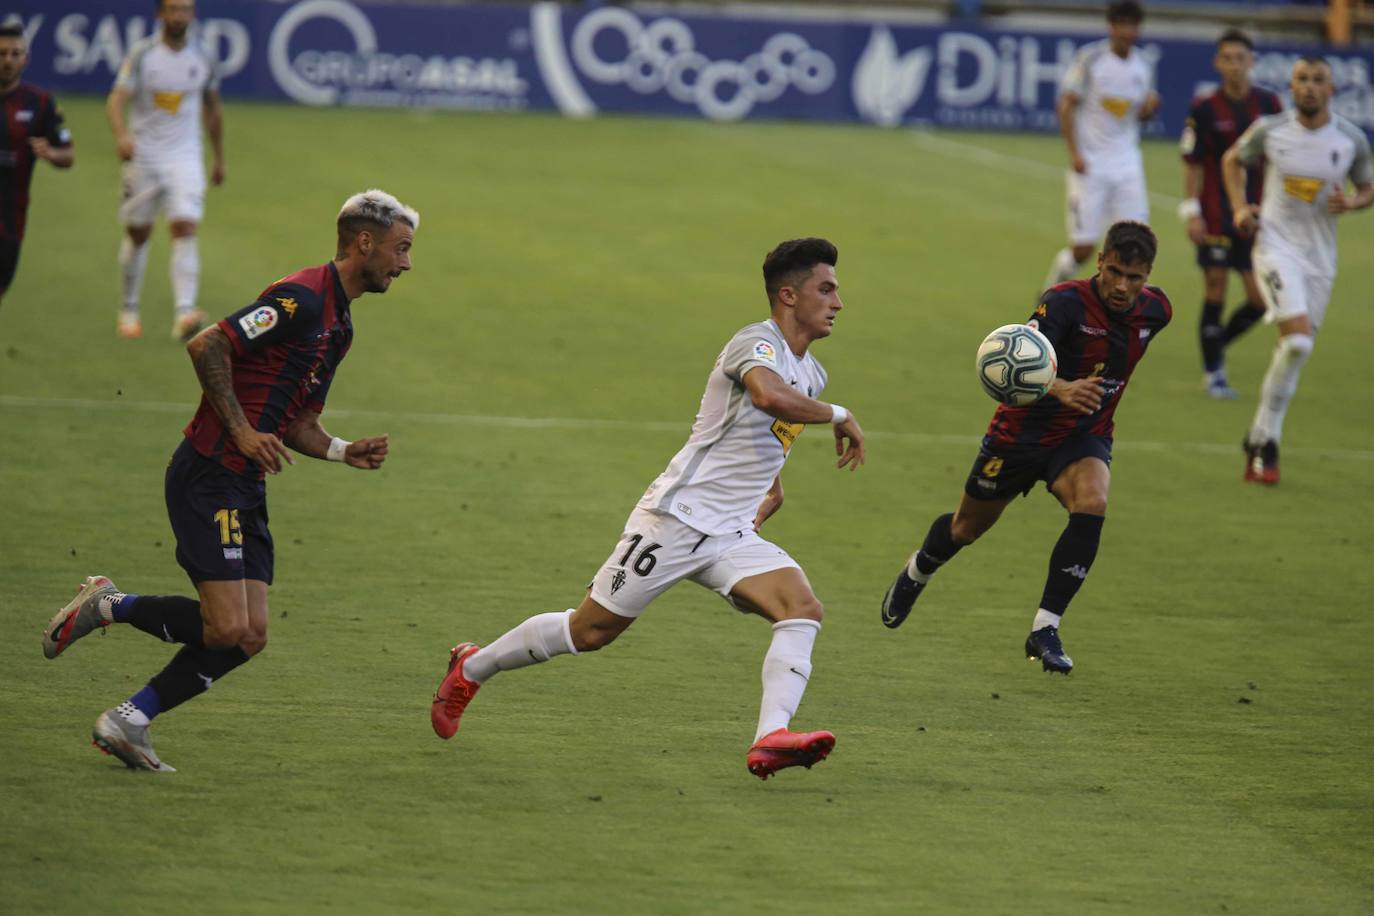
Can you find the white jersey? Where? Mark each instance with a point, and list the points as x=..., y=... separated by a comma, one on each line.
x=1110, y=91
x=1301, y=169
x=165, y=89
x=717, y=481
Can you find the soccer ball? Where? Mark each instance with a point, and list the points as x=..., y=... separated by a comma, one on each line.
x=1016, y=364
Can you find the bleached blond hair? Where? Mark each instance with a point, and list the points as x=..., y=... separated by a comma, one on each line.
x=377, y=206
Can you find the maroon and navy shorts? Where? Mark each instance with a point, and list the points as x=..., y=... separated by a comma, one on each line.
x=219, y=519
x=1003, y=471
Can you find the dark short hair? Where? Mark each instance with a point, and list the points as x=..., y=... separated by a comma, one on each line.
x=791, y=263
x=1315, y=59
x=11, y=30
x=1235, y=36
x=1131, y=242
x=1125, y=11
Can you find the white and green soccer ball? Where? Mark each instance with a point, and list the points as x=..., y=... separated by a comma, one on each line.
x=1016, y=364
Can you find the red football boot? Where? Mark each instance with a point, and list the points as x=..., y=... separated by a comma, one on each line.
x=781, y=749
x=454, y=694
x=1262, y=463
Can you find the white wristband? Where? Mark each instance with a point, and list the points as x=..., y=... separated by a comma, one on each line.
x=337, y=447
x=838, y=414
x=1189, y=209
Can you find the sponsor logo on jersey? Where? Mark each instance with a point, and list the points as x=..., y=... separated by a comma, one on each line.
x=1144, y=333
x=1116, y=106
x=22, y=116
x=1092, y=331
x=169, y=102
x=259, y=321
x=233, y=553
x=1304, y=189
x=787, y=433
x=764, y=350
x=288, y=305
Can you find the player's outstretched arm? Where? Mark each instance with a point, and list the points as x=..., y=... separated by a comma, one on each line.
x=770, y=394
x=213, y=356
x=60, y=157
x=1067, y=109
x=307, y=436
x=1233, y=177
x=212, y=113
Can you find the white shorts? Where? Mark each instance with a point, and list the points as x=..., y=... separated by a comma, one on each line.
x=174, y=188
x=1094, y=202
x=1289, y=289
x=657, y=551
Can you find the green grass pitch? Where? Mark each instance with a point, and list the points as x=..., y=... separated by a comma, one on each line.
x=1210, y=754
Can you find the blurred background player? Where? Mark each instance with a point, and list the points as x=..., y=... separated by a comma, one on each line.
x=265, y=372
x=1100, y=328
x=1309, y=153
x=1106, y=92
x=170, y=84
x=699, y=520
x=1214, y=123
x=33, y=130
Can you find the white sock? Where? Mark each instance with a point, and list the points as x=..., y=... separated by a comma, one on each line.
x=1280, y=382
x=131, y=713
x=132, y=260
x=1061, y=268
x=913, y=572
x=786, y=669
x=185, y=266
x=1044, y=618
x=536, y=640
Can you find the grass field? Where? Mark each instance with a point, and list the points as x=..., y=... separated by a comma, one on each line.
x=573, y=283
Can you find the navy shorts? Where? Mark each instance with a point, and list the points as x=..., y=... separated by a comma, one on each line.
x=219, y=519
x=1230, y=251
x=1001, y=471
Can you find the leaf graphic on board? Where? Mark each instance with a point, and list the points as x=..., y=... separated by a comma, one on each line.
x=885, y=83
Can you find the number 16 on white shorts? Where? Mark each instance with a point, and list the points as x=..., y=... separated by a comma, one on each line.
x=658, y=551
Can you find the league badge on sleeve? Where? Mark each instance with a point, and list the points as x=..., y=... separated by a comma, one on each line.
x=259, y=321
x=764, y=351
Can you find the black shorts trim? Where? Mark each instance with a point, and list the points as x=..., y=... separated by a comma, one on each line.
x=1003, y=471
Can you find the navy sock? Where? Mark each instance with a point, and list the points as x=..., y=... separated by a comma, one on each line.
x=1242, y=320
x=1210, y=333
x=171, y=618
x=191, y=672
x=939, y=546
x=1071, y=559
x=147, y=701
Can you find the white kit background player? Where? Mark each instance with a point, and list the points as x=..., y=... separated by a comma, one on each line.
x=700, y=518
x=1309, y=154
x=169, y=84
x=1105, y=94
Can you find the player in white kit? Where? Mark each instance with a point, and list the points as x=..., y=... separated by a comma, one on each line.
x=1309, y=154
x=169, y=84
x=1105, y=94
x=699, y=520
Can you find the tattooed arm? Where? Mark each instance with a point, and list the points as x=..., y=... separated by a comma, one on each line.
x=212, y=355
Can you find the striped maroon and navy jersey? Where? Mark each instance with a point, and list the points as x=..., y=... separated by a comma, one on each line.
x=287, y=345
x=1214, y=123
x=1090, y=340
x=29, y=112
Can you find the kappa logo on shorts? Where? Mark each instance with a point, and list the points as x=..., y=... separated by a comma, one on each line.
x=764, y=350
x=258, y=322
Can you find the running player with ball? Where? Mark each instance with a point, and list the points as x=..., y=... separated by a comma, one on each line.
x=1099, y=329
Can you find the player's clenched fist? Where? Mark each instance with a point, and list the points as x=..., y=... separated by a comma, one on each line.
x=367, y=454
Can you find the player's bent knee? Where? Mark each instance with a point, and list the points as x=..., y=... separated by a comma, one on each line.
x=1081, y=253
x=253, y=643
x=809, y=608
x=594, y=638
x=225, y=636
x=1296, y=347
